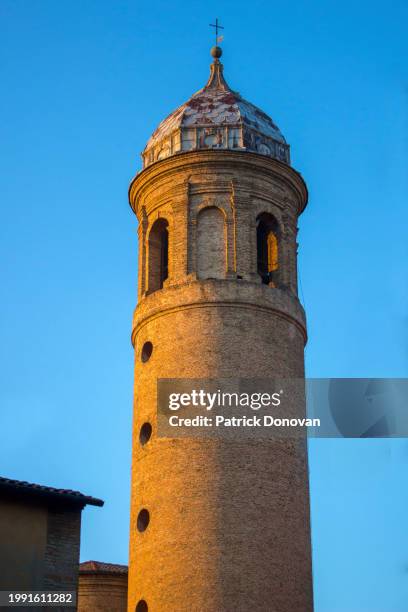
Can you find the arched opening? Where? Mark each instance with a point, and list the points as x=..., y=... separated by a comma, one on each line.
x=211, y=251
x=143, y=520
x=267, y=242
x=147, y=350
x=158, y=255
x=145, y=433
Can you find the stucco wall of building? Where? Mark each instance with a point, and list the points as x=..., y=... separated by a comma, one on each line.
x=23, y=540
x=39, y=545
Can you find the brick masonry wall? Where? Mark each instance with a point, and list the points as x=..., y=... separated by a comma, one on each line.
x=101, y=592
x=62, y=550
x=211, y=249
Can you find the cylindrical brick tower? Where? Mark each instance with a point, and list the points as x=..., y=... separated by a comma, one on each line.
x=217, y=525
x=102, y=587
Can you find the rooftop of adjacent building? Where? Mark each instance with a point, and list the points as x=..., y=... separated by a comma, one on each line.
x=216, y=117
x=37, y=492
x=99, y=567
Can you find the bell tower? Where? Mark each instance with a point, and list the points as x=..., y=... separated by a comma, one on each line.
x=217, y=525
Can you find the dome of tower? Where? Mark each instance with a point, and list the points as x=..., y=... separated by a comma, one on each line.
x=216, y=117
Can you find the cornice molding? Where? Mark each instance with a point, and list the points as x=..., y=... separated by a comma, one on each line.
x=222, y=160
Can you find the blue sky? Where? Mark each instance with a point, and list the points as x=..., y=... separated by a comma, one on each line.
x=84, y=85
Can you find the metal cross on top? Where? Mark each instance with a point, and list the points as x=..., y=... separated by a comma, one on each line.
x=217, y=27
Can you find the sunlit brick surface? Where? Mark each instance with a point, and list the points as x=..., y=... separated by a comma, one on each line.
x=229, y=521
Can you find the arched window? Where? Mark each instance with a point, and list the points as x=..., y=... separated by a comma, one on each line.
x=211, y=250
x=158, y=255
x=267, y=241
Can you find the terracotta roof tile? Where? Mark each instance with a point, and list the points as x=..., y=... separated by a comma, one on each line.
x=29, y=489
x=98, y=567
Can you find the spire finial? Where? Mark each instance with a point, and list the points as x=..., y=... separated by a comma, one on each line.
x=216, y=51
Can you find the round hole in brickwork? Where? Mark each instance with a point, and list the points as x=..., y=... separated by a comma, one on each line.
x=147, y=351
x=141, y=606
x=145, y=433
x=143, y=519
